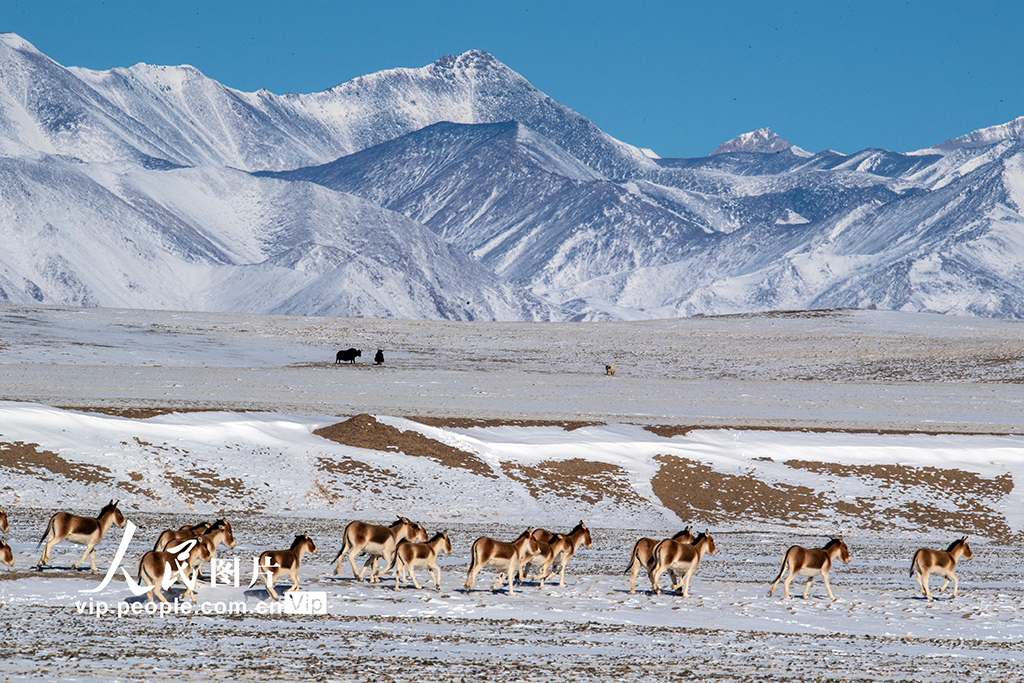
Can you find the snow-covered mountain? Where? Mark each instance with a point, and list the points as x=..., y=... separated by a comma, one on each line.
x=513, y=199
x=217, y=239
x=458, y=190
x=176, y=115
x=733, y=232
x=762, y=140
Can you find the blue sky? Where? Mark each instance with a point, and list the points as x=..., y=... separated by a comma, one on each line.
x=678, y=77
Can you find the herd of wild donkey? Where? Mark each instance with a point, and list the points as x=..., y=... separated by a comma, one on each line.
x=178, y=555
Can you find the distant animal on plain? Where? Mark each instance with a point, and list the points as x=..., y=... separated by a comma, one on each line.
x=378, y=359
x=642, y=556
x=347, y=356
x=941, y=562
x=87, y=531
x=810, y=563
x=161, y=568
x=562, y=547
x=379, y=542
x=6, y=555
x=4, y=526
x=671, y=555
x=609, y=370
x=487, y=551
x=409, y=556
x=275, y=563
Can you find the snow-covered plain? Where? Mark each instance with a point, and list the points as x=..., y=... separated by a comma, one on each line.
x=885, y=427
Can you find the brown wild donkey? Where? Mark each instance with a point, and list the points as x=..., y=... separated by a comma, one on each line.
x=486, y=551
x=683, y=557
x=642, y=556
x=173, y=536
x=87, y=531
x=810, y=563
x=564, y=546
x=941, y=562
x=409, y=556
x=274, y=563
x=158, y=568
x=4, y=526
x=379, y=542
x=544, y=557
x=6, y=554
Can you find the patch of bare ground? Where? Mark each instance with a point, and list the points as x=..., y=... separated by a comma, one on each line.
x=140, y=413
x=469, y=423
x=133, y=486
x=26, y=458
x=364, y=431
x=361, y=475
x=974, y=496
x=668, y=431
x=207, y=486
x=692, y=489
x=584, y=480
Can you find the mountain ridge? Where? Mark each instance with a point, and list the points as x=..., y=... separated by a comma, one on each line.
x=458, y=190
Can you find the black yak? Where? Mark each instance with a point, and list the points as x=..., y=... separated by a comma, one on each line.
x=347, y=356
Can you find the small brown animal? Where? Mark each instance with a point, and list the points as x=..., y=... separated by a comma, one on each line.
x=87, y=531
x=564, y=546
x=609, y=370
x=4, y=526
x=684, y=557
x=810, y=563
x=379, y=542
x=6, y=554
x=274, y=563
x=941, y=562
x=409, y=556
x=642, y=556
x=162, y=568
x=182, y=533
x=486, y=551
x=544, y=558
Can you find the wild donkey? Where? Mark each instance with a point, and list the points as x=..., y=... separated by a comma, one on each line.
x=87, y=531
x=409, y=556
x=377, y=542
x=564, y=546
x=274, y=563
x=684, y=557
x=941, y=562
x=642, y=556
x=810, y=563
x=162, y=568
x=487, y=551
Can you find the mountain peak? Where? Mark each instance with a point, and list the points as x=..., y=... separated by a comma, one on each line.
x=762, y=140
x=471, y=60
x=986, y=136
x=16, y=42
